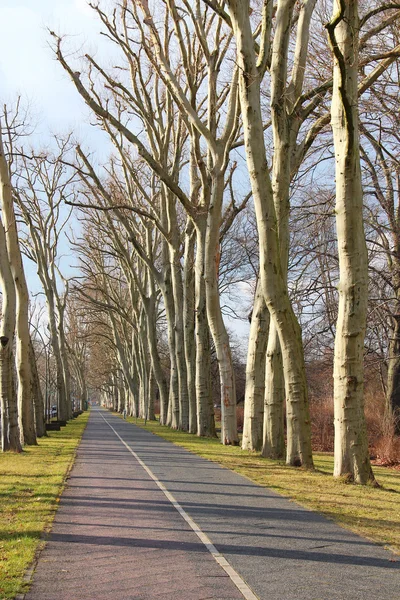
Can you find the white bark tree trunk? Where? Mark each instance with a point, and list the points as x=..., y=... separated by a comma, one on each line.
x=123, y=360
x=205, y=407
x=38, y=400
x=255, y=374
x=274, y=442
x=271, y=272
x=273, y=437
x=149, y=305
x=47, y=276
x=152, y=395
x=229, y=433
x=64, y=356
x=189, y=322
x=177, y=288
x=392, y=409
x=10, y=437
x=168, y=296
x=351, y=444
x=145, y=367
x=24, y=372
x=55, y=343
x=285, y=127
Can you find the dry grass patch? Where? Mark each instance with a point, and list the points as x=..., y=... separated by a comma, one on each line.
x=30, y=486
x=371, y=512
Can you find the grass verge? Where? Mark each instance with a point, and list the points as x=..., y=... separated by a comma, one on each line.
x=371, y=512
x=30, y=487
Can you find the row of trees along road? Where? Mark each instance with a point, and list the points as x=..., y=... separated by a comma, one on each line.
x=237, y=131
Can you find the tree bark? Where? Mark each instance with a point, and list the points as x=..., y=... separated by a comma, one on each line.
x=177, y=288
x=55, y=343
x=274, y=441
x=392, y=409
x=10, y=437
x=274, y=435
x=38, y=401
x=271, y=272
x=152, y=394
x=351, y=445
x=168, y=297
x=189, y=322
x=64, y=356
x=204, y=402
x=24, y=372
x=229, y=434
x=149, y=305
x=255, y=374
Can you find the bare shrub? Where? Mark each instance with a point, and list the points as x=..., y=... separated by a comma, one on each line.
x=319, y=375
x=322, y=425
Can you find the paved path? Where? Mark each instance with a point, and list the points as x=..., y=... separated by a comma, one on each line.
x=118, y=536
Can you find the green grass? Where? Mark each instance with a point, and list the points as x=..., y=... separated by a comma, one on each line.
x=30, y=487
x=371, y=512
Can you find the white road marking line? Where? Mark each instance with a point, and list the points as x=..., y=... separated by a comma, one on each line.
x=242, y=586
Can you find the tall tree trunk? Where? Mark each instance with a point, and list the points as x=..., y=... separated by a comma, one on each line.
x=37, y=397
x=118, y=398
x=24, y=372
x=158, y=372
x=351, y=446
x=274, y=438
x=168, y=296
x=173, y=409
x=229, y=433
x=177, y=287
x=137, y=397
x=255, y=374
x=271, y=273
x=285, y=127
x=204, y=402
x=122, y=394
x=55, y=343
x=64, y=357
x=123, y=361
x=392, y=408
x=189, y=322
x=146, y=367
x=152, y=394
x=10, y=437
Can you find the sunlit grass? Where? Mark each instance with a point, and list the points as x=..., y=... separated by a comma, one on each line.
x=371, y=512
x=30, y=486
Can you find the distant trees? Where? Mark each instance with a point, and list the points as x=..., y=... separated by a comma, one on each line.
x=34, y=188
x=43, y=184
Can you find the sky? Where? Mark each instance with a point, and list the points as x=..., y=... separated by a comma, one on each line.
x=28, y=68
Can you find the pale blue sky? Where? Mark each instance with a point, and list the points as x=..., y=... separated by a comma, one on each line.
x=28, y=67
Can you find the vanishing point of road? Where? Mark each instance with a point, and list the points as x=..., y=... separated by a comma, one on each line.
x=142, y=519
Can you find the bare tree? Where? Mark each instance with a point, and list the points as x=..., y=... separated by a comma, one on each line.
x=43, y=184
x=351, y=445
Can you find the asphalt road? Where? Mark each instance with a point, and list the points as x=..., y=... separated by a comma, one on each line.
x=119, y=535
